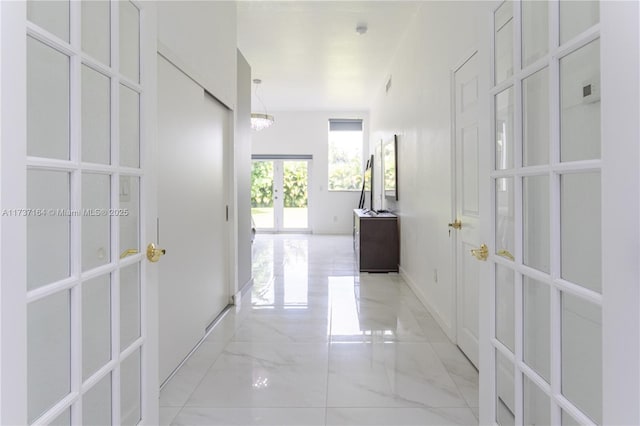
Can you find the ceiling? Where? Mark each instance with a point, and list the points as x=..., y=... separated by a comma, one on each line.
x=309, y=55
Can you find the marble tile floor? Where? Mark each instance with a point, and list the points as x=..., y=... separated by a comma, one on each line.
x=314, y=342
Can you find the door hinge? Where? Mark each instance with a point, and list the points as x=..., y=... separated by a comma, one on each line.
x=227, y=213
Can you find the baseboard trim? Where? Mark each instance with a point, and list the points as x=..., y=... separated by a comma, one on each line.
x=208, y=331
x=448, y=330
x=245, y=287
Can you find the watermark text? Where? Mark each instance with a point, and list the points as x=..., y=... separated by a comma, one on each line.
x=63, y=212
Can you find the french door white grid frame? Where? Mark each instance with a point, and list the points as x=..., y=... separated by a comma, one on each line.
x=278, y=161
x=74, y=167
x=554, y=169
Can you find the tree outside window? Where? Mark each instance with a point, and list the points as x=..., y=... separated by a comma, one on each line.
x=345, y=155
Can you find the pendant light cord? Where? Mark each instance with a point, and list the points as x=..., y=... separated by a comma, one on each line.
x=255, y=92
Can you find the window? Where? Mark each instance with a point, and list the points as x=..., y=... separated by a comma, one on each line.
x=345, y=155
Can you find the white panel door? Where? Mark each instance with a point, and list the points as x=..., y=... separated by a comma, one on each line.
x=194, y=288
x=78, y=92
x=467, y=206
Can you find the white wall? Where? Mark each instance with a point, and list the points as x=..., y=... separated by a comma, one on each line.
x=418, y=109
x=242, y=160
x=330, y=212
x=203, y=36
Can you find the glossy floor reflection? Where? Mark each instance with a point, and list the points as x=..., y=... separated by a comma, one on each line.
x=316, y=343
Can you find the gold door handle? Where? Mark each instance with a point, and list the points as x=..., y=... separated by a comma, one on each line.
x=505, y=253
x=128, y=252
x=481, y=253
x=456, y=225
x=154, y=253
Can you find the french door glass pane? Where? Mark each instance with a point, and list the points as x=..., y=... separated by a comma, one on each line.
x=503, y=21
x=262, y=206
x=505, y=217
x=48, y=353
x=47, y=101
x=63, y=419
x=537, y=406
x=129, y=305
x=295, y=187
x=129, y=40
x=129, y=127
x=505, y=330
x=576, y=17
x=535, y=119
x=130, y=217
x=535, y=30
x=49, y=192
x=536, y=326
x=130, y=389
x=567, y=420
x=53, y=16
x=96, y=324
x=96, y=403
x=504, y=144
x=96, y=221
x=96, y=30
x=535, y=212
x=505, y=399
x=96, y=116
x=582, y=355
x=580, y=103
x=580, y=229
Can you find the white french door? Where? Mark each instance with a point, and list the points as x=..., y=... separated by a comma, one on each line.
x=544, y=360
x=78, y=117
x=280, y=194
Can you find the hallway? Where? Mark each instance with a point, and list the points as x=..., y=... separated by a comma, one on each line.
x=315, y=343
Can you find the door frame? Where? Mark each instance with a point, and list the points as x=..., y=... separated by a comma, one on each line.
x=13, y=312
x=620, y=181
x=279, y=159
x=13, y=230
x=149, y=201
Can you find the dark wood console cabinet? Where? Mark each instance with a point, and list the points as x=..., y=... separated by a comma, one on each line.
x=376, y=241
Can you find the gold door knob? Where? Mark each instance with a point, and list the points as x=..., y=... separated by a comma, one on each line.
x=481, y=253
x=505, y=253
x=456, y=225
x=154, y=253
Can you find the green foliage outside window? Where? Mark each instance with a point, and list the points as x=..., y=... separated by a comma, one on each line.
x=345, y=161
x=262, y=184
x=294, y=184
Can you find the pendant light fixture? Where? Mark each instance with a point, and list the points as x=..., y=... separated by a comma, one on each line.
x=260, y=121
